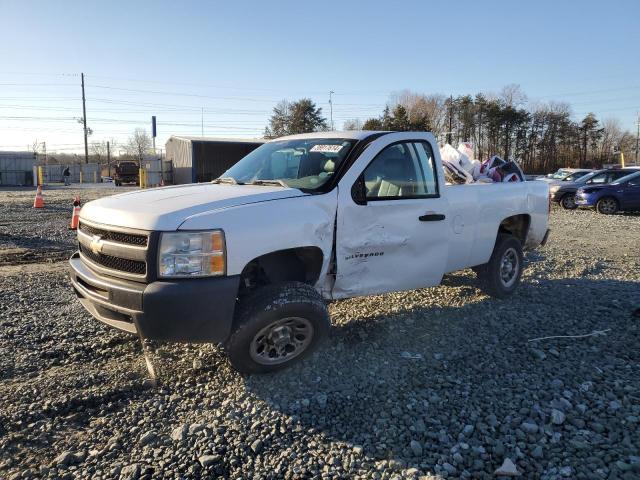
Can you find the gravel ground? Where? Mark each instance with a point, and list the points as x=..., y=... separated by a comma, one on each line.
x=435, y=383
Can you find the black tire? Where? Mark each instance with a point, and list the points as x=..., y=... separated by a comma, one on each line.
x=496, y=277
x=568, y=201
x=273, y=320
x=607, y=206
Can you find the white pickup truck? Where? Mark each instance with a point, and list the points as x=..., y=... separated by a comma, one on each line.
x=249, y=259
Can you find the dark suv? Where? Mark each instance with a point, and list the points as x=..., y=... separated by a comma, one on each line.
x=565, y=193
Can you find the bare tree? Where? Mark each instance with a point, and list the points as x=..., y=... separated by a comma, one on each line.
x=139, y=144
x=99, y=151
x=513, y=96
x=354, y=124
x=611, y=132
x=279, y=121
x=425, y=112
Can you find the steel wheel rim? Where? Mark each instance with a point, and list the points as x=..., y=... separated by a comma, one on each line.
x=281, y=341
x=608, y=205
x=569, y=201
x=509, y=267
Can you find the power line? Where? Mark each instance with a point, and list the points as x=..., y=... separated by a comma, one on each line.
x=22, y=84
x=571, y=94
x=155, y=92
x=201, y=85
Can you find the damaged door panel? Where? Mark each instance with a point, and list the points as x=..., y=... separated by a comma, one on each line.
x=395, y=238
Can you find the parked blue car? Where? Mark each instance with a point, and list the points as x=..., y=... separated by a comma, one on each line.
x=621, y=195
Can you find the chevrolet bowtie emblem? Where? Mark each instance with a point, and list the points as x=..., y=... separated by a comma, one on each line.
x=96, y=244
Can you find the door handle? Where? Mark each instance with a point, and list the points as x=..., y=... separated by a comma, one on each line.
x=431, y=217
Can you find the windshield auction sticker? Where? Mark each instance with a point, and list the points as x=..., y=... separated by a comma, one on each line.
x=326, y=148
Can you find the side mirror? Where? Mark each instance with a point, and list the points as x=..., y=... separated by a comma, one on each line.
x=359, y=192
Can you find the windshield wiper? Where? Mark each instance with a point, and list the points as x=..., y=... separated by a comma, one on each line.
x=229, y=180
x=269, y=182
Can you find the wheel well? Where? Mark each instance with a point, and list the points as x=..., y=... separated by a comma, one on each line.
x=516, y=225
x=301, y=264
x=609, y=196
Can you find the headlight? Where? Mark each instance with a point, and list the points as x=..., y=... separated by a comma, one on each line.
x=554, y=189
x=192, y=254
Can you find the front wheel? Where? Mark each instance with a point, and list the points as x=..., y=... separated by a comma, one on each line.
x=277, y=326
x=501, y=275
x=607, y=206
x=568, y=202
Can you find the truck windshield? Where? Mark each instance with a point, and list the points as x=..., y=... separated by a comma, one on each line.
x=303, y=163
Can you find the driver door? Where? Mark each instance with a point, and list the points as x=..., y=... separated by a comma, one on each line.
x=631, y=195
x=391, y=222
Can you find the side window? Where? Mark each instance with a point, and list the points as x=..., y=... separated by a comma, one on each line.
x=600, y=178
x=427, y=166
x=402, y=170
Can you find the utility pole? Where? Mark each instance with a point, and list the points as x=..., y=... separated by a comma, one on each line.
x=331, y=92
x=84, y=122
x=450, y=120
x=108, y=158
x=202, y=123
x=638, y=140
x=44, y=148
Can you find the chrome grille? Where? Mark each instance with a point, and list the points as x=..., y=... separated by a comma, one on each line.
x=114, y=263
x=119, y=237
x=116, y=251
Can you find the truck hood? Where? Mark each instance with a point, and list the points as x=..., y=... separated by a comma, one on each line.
x=167, y=208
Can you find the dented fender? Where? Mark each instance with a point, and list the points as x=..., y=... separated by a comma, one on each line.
x=253, y=230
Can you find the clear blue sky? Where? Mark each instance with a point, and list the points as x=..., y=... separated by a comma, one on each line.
x=237, y=59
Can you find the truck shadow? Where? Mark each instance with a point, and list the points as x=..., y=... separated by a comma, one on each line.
x=21, y=249
x=428, y=371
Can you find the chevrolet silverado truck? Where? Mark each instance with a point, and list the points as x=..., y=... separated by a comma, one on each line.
x=250, y=259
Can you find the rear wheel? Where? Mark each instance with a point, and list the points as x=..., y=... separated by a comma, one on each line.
x=277, y=326
x=607, y=206
x=501, y=275
x=568, y=202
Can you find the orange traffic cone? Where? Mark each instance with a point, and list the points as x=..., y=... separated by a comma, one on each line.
x=75, y=216
x=39, y=200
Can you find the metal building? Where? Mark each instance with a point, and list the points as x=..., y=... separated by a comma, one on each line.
x=16, y=168
x=201, y=159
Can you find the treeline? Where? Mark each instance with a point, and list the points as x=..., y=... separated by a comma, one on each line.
x=541, y=137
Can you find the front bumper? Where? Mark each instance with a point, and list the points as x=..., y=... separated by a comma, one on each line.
x=183, y=310
x=585, y=200
x=556, y=196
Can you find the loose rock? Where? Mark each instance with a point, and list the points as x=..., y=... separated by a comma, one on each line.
x=507, y=469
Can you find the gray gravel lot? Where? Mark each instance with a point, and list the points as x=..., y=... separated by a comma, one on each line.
x=429, y=383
